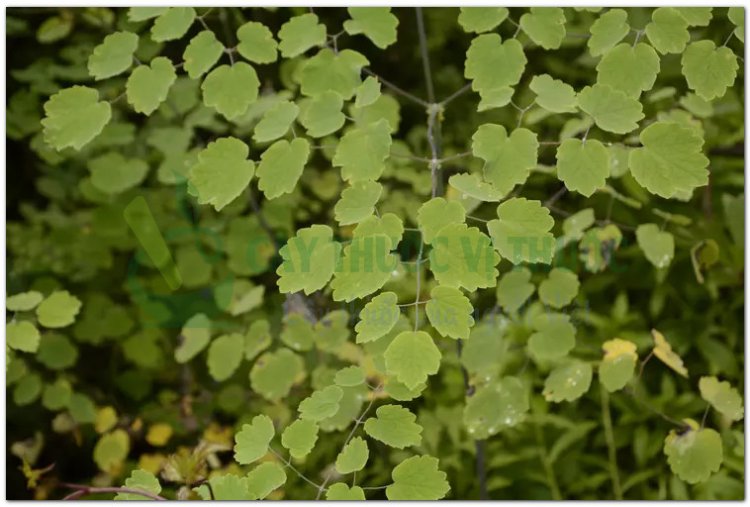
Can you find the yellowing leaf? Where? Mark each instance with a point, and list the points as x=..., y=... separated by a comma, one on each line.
x=663, y=351
x=159, y=434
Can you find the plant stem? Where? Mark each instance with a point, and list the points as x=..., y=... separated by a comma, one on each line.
x=396, y=89
x=83, y=490
x=425, y=56
x=481, y=446
x=611, y=449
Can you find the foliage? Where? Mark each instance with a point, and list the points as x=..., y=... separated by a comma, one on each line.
x=351, y=253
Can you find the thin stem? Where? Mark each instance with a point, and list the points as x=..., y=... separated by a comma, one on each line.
x=611, y=449
x=465, y=88
x=470, y=217
x=396, y=89
x=357, y=422
x=457, y=156
x=83, y=490
x=418, y=272
x=555, y=197
x=302, y=476
x=425, y=56
x=705, y=415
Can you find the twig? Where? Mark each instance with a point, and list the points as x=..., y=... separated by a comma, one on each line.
x=425, y=56
x=465, y=88
x=396, y=89
x=83, y=490
x=302, y=476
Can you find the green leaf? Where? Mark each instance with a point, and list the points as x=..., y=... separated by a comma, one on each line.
x=576, y=224
x=330, y=71
x=263, y=479
x=618, y=364
x=709, y=70
x=500, y=404
x=722, y=396
x=231, y=90
x=275, y=122
x=298, y=333
x=553, y=338
x=670, y=159
x=251, y=442
x=657, y=245
x=322, y=115
x=27, y=390
x=514, y=289
x=112, y=173
x=225, y=355
x=463, y=257
x=418, y=478
x=568, y=382
x=309, y=260
x=694, y=455
x=668, y=30
x=400, y=392
x=521, y=232
x=611, y=109
x=449, y=312
x=494, y=66
x=300, y=437
x=737, y=16
x=471, y=185
x=225, y=487
x=698, y=16
x=357, y=202
x=365, y=267
x=82, y=409
x=148, y=85
x=340, y=491
x=545, y=26
x=23, y=301
x=375, y=23
x=136, y=14
x=57, y=352
x=481, y=19
x=629, y=69
x=202, y=53
x=111, y=450
x=388, y=224
x=195, y=334
x=300, y=34
x=411, y=357
x=367, y=93
x=281, y=166
x=73, y=117
x=349, y=377
x=378, y=317
x=353, y=456
x=609, y=29
x=435, y=214
x=362, y=151
x=22, y=335
x=274, y=373
x=59, y=309
x=394, y=426
x=321, y=404
x=222, y=172
x=173, y=24
x=560, y=288
x=583, y=166
x=553, y=95
x=142, y=480
x=256, y=43
x=113, y=56
x=509, y=159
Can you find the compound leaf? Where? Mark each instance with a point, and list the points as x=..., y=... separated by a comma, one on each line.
x=545, y=26
x=583, y=166
x=412, y=357
x=463, y=256
x=113, y=56
x=256, y=43
x=630, y=69
x=353, y=456
x=668, y=30
x=300, y=34
x=281, y=166
x=375, y=23
x=521, y=231
x=222, y=172
x=148, y=85
x=275, y=122
x=231, y=89
x=321, y=404
x=611, y=109
x=508, y=159
x=435, y=214
x=553, y=95
x=172, y=24
x=202, y=53
x=449, y=312
x=357, y=202
x=709, y=70
x=362, y=151
x=722, y=396
x=609, y=29
x=378, y=317
x=300, y=437
x=308, y=260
